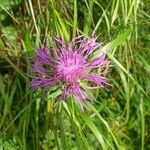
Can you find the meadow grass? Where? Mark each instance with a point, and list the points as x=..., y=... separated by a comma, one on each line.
x=119, y=116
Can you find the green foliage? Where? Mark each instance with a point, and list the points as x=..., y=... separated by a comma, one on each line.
x=119, y=116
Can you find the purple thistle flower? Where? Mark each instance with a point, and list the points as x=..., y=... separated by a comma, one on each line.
x=68, y=65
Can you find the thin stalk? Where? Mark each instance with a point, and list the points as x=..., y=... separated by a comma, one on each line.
x=37, y=122
x=142, y=124
x=75, y=18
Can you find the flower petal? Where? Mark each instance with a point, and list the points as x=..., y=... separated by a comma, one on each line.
x=97, y=79
x=44, y=55
x=87, y=46
x=40, y=82
x=75, y=89
x=66, y=92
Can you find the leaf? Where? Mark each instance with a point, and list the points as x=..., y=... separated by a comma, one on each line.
x=94, y=129
x=119, y=40
x=91, y=107
x=115, y=43
x=54, y=93
x=124, y=70
x=63, y=26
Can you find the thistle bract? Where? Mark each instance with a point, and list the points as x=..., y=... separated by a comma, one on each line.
x=71, y=67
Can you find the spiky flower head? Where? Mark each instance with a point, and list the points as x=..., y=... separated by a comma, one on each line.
x=70, y=66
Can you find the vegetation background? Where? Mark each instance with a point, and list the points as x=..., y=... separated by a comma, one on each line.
x=120, y=116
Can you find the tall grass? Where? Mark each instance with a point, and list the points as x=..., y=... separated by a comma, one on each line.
x=118, y=118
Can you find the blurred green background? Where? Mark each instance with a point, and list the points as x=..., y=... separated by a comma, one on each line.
x=119, y=119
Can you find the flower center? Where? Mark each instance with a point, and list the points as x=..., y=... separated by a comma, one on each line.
x=70, y=66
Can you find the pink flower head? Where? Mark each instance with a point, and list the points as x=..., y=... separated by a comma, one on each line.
x=69, y=65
